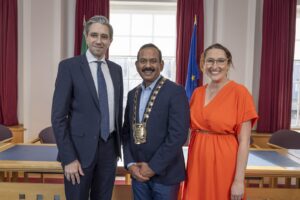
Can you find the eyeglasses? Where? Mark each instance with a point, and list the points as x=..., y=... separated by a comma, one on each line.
x=219, y=61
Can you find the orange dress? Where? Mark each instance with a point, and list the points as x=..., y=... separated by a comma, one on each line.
x=212, y=157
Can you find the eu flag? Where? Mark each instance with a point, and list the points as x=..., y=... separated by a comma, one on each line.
x=193, y=73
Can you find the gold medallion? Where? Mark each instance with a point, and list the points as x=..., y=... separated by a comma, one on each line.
x=139, y=129
x=139, y=133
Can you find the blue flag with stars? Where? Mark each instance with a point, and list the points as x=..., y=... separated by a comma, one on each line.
x=193, y=73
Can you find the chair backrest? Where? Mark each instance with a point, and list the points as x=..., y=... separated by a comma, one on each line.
x=5, y=133
x=46, y=136
x=286, y=138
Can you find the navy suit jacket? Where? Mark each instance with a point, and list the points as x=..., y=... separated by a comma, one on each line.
x=167, y=130
x=76, y=113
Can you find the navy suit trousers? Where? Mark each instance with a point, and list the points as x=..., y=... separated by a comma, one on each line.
x=154, y=191
x=100, y=176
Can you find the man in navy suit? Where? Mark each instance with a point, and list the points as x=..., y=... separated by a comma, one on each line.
x=87, y=116
x=155, y=128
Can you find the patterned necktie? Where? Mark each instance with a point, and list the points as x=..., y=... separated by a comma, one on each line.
x=103, y=102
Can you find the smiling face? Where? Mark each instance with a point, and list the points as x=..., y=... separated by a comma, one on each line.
x=149, y=65
x=216, y=65
x=98, y=39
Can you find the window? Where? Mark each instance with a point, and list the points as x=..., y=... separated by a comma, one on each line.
x=295, y=123
x=138, y=23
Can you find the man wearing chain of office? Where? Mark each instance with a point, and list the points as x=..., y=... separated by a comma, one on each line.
x=155, y=128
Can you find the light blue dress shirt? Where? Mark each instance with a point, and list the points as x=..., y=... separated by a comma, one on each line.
x=145, y=95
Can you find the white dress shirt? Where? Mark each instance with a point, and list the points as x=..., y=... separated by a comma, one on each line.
x=92, y=60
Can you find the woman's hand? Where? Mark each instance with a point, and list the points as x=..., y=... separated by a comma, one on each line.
x=237, y=190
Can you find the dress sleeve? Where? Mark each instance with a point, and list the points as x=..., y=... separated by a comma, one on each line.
x=246, y=108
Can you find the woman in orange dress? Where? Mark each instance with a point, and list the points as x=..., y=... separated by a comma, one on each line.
x=222, y=115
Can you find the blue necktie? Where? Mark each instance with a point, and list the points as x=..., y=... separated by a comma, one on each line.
x=103, y=102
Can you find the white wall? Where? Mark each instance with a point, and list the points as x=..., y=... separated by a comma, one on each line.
x=232, y=23
x=46, y=35
x=237, y=24
x=41, y=47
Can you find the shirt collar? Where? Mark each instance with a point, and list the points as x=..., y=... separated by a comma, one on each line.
x=152, y=85
x=91, y=58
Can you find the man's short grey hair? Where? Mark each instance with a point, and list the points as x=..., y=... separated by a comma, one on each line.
x=101, y=20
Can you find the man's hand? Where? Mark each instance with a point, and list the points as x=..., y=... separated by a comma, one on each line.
x=145, y=170
x=73, y=171
x=135, y=173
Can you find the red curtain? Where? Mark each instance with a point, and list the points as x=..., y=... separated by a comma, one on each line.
x=186, y=11
x=8, y=62
x=87, y=9
x=275, y=96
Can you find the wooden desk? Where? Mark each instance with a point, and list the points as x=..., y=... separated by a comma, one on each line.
x=35, y=158
x=271, y=164
x=15, y=158
x=29, y=158
x=294, y=152
x=261, y=163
